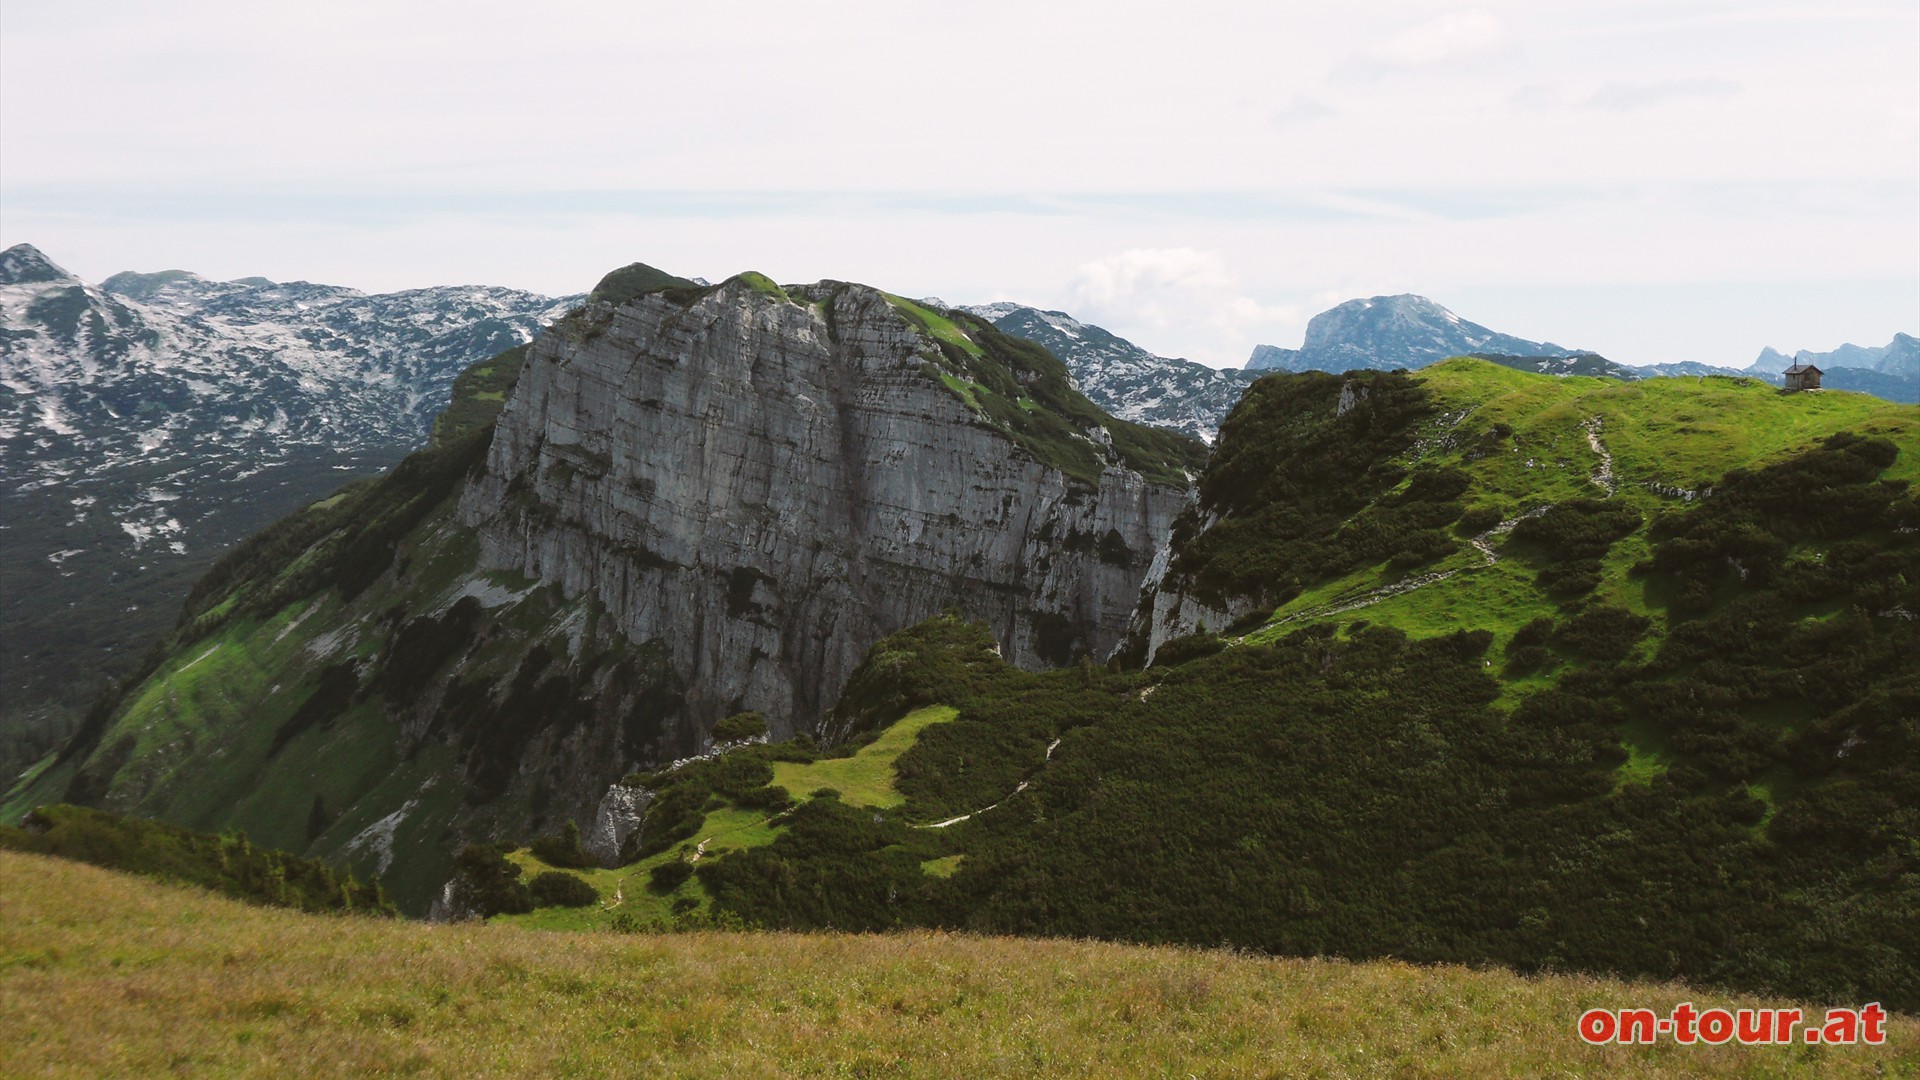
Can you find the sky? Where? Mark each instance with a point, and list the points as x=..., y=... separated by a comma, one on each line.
x=1666, y=181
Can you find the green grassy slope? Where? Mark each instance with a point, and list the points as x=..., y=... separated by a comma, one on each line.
x=106, y=975
x=1523, y=443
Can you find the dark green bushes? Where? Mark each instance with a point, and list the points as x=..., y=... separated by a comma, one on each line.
x=939, y=660
x=1578, y=528
x=552, y=888
x=1570, y=539
x=1188, y=647
x=230, y=865
x=740, y=727
x=562, y=848
x=1302, y=491
x=684, y=795
x=1601, y=633
x=1746, y=531
x=669, y=876
x=485, y=884
x=1478, y=520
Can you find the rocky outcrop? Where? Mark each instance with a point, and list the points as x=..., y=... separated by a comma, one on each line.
x=620, y=814
x=766, y=482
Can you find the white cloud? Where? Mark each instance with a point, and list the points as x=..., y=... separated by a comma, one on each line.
x=1454, y=36
x=1162, y=293
x=1626, y=97
x=1299, y=109
x=1143, y=278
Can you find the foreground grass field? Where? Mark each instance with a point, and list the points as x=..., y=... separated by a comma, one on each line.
x=107, y=975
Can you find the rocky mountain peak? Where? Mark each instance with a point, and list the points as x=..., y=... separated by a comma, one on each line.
x=24, y=264
x=1405, y=313
x=1386, y=332
x=140, y=286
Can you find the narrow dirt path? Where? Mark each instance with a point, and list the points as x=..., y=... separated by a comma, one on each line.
x=1480, y=544
x=1602, y=477
x=1374, y=596
x=1023, y=785
x=1484, y=542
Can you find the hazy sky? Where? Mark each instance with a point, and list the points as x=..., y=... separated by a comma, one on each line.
x=1658, y=181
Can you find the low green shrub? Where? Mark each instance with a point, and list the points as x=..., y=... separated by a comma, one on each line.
x=562, y=848
x=669, y=875
x=740, y=727
x=555, y=888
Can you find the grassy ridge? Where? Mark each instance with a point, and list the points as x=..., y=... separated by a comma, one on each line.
x=105, y=975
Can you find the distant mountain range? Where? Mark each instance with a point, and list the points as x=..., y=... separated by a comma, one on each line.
x=1891, y=371
x=1899, y=357
x=1123, y=378
x=1408, y=331
x=1382, y=333
x=150, y=420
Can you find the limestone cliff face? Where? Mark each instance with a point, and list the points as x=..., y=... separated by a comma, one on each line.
x=767, y=482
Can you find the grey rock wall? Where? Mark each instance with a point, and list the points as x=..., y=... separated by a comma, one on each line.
x=768, y=484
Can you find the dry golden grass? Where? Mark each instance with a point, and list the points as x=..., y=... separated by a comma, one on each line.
x=106, y=975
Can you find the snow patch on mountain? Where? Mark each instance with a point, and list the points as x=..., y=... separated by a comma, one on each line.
x=1124, y=379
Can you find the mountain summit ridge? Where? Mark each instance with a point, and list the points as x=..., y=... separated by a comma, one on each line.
x=1386, y=332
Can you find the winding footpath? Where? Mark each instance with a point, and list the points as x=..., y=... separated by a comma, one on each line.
x=1017, y=790
x=1602, y=477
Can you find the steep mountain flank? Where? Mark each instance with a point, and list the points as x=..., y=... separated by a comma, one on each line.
x=697, y=500
x=767, y=479
x=152, y=420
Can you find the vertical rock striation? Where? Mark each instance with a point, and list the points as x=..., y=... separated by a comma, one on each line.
x=768, y=481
